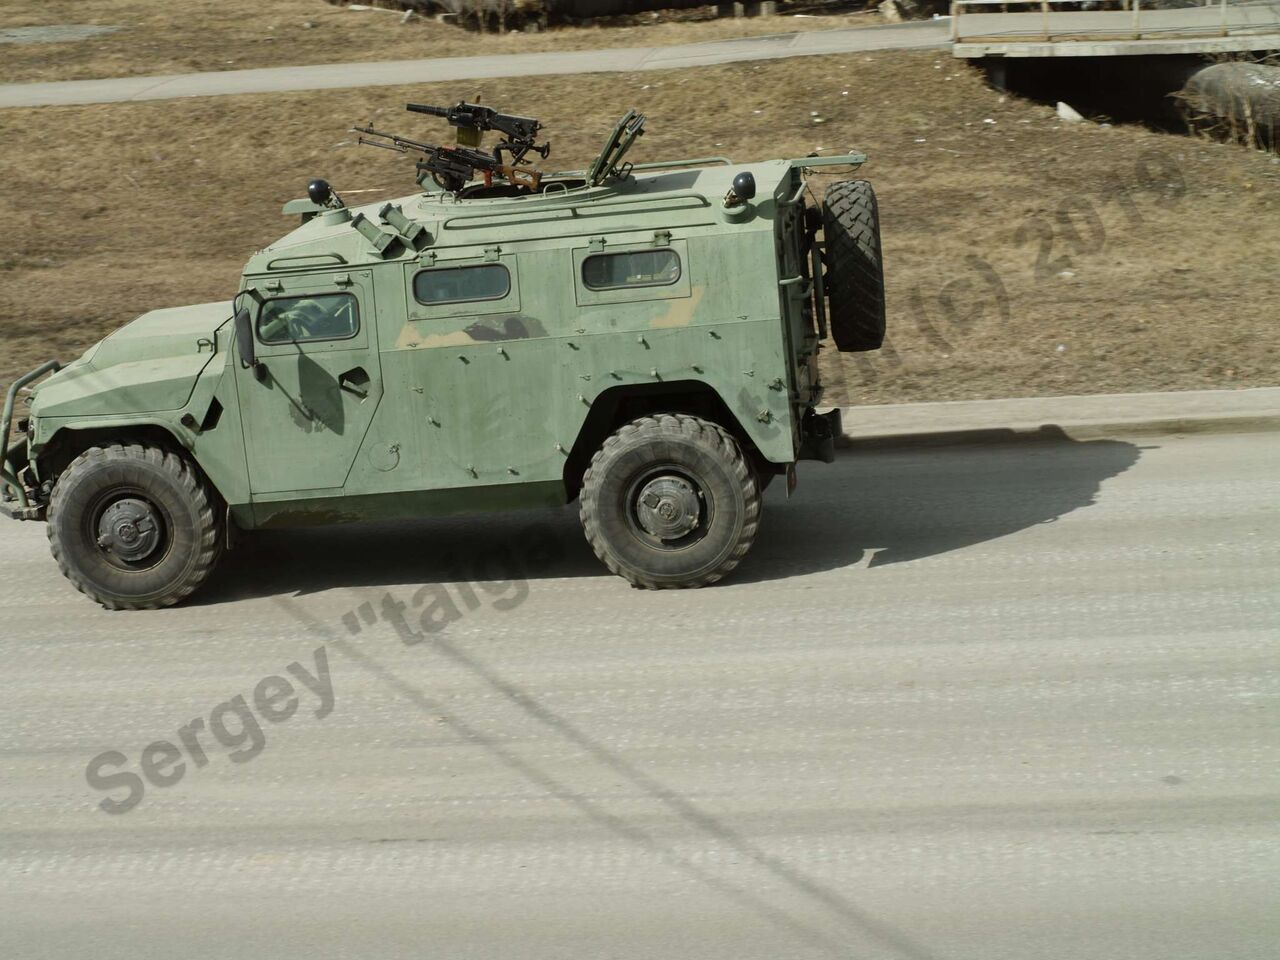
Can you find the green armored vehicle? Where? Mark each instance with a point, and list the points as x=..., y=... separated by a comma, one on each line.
x=640, y=337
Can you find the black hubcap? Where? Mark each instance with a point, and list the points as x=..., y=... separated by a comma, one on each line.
x=130, y=530
x=668, y=509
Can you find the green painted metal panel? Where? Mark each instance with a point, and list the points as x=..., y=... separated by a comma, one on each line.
x=306, y=409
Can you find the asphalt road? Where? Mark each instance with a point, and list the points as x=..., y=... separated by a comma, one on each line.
x=1005, y=701
x=918, y=35
x=1017, y=28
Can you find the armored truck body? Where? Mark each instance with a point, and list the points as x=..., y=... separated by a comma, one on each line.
x=641, y=338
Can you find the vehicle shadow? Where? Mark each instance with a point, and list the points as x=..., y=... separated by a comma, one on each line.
x=895, y=502
x=900, y=502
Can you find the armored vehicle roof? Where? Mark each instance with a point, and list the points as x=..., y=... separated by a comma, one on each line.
x=683, y=193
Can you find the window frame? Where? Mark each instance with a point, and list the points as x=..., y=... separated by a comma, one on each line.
x=681, y=287
x=301, y=295
x=602, y=254
x=418, y=312
x=451, y=266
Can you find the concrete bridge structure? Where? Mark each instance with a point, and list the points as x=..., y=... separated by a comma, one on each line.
x=1077, y=28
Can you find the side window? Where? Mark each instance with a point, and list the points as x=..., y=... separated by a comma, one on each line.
x=637, y=268
x=488, y=281
x=327, y=316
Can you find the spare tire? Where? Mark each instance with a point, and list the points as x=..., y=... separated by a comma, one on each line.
x=854, y=278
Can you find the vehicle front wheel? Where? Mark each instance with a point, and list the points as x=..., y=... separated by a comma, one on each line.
x=670, y=501
x=134, y=527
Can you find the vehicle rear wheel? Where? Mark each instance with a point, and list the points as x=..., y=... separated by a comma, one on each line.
x=854, y=278
x=134, y=527
x=670, y=501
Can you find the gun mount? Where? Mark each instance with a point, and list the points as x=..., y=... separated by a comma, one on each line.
x=452, y=168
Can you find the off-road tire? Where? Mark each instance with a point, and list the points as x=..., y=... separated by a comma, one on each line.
x=191, y=535
x=854, y=278
x=658, y=446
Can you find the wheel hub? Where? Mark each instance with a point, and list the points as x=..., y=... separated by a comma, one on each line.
x=668, y=507
x=129, y=529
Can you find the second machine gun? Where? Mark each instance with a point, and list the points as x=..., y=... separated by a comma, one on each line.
x=453, y=167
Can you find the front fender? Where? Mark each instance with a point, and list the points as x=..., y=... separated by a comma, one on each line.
x=208, y=426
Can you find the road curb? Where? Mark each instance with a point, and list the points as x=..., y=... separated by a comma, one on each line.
x=1067, y=417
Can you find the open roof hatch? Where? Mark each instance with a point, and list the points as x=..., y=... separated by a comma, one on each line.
x=608, y=165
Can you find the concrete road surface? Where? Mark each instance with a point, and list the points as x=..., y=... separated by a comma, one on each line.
x=993, y=702
x=919, y=35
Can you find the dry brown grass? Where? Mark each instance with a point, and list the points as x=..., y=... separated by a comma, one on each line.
x=116, y=209
x=196, y=35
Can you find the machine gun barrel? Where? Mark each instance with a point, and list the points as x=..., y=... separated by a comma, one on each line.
x=473, y=116
x=365, y=142
x=427, y=109
x=403, y=144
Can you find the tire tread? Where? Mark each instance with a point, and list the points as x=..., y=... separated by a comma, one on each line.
x=854, y=280
x=667, y=426
x=180, y=469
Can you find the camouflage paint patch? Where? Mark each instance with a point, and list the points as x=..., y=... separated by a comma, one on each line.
x=494, y=329
x=410, y=337
x=679, y=313
x=512, y=326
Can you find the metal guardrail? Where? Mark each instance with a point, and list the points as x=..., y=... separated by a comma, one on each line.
x=1126, y=20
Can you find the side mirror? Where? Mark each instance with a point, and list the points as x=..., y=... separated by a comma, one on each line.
x=244, y=340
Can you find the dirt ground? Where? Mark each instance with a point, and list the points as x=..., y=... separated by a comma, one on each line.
x=1024, y=256
x=197, y=35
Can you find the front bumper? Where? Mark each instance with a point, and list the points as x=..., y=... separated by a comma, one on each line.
x=15, y=512
x=18, y=501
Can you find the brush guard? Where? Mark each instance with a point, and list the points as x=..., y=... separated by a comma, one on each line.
x=16, y=501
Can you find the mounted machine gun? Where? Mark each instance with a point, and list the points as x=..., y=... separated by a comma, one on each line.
x=453, y=167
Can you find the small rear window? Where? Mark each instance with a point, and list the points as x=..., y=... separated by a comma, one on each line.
x=637, y=268
x=487, y=281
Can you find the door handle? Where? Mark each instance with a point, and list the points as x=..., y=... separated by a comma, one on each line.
x=355, y=381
